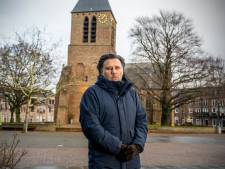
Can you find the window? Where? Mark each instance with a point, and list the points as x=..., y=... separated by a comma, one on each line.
x=205, y=102
x=41, y=109
x=33, y=100
x=214, y=102
x=197, y=122
x=214, y=123
x=32, y=108
x=93, y=29
x=51, y=101
x=85, y=30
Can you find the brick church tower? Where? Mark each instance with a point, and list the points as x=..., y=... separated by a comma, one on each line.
x=93, y=30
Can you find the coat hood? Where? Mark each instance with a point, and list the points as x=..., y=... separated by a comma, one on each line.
x=117, y=88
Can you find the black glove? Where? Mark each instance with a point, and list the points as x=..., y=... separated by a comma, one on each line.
x=135, y=148
x=125, y=153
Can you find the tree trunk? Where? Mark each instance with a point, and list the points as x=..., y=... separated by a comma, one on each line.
x=17, y=110
x=166, y=111
x=11, y=117
x=25, y=125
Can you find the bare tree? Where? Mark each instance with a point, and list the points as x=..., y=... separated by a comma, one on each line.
x=10, y=156
x=216, y=81
x=11, y=72
x=216, y=72
x=172, y=50
x=27, y=67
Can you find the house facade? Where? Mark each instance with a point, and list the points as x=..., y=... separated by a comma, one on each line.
x=206, y=110
x=42, y=110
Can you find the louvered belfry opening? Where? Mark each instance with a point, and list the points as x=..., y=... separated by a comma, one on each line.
x=93, y=29
x=85, y=30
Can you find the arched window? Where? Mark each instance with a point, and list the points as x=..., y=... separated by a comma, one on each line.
x=85, y=30
x=93, y=29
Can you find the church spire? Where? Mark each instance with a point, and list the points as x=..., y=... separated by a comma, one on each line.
x=91, y=6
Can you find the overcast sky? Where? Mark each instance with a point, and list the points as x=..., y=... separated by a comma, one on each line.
x=208, y=18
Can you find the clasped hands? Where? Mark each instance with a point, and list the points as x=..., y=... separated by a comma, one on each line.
x=127, y=152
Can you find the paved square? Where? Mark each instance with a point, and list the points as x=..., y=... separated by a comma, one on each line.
x=60, y=150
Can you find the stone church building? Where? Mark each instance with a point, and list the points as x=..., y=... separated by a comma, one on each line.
x=93, y=33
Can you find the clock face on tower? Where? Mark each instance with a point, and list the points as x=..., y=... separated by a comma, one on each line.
x=103, y=18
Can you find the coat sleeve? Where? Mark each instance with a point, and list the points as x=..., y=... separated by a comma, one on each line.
x=141, y=129
x=91, y=126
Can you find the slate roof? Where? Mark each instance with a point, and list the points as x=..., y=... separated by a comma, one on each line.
x=91, y=6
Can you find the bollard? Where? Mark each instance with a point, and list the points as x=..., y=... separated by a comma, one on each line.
x=219, y=130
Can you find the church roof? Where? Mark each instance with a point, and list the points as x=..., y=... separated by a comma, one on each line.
x=91, y=6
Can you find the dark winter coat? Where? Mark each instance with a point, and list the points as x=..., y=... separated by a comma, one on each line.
x=111, y=114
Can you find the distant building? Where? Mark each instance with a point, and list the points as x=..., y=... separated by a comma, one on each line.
x=4, y=109
x=93, y=33
x=42, y=109
x=138, y=74
x=207, y=110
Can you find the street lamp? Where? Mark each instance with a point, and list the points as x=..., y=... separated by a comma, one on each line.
x=218, y=117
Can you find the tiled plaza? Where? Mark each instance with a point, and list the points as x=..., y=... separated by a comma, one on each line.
x=60, y=150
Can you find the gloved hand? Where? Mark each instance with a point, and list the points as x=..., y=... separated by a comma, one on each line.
x=127, y=152
x=135, y=148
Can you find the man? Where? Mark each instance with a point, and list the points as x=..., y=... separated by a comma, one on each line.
x=112, y=118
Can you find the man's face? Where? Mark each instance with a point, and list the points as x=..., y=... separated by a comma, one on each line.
x=112, y=70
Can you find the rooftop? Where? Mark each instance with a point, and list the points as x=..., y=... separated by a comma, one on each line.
x=91, y=6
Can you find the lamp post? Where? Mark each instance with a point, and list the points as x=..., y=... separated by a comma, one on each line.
x=201, y=113
x=219, y=130
x=0, y=118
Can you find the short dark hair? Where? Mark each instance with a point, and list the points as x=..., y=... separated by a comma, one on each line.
x=105, y=57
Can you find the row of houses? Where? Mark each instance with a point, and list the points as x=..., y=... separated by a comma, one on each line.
x=203, y=111
x=42, y=109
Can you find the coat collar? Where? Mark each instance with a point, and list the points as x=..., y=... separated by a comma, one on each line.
x=115, y=87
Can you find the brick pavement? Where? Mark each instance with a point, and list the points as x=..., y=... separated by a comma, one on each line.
x=161, y=151
x=144, y=167
x=67, y=157
x=155, y=154
x=181, y=154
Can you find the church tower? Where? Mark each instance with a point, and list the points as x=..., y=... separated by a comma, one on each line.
x=93, y=31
